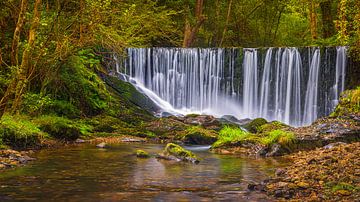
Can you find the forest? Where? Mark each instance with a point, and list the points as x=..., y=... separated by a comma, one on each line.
x=76, y=73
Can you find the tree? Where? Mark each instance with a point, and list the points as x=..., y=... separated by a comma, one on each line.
x=191, y=30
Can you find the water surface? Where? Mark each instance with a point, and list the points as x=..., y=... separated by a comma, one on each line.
x=86, y=173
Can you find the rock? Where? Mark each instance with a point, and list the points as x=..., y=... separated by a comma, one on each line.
x=101, y=145
x=202, y=120
x=131, y=140
x=79, y=141
x=275, y=150
x=255, y=124
x=256, y=187
x=200, y=136
x=166, y=114
x=173, y=150
x=142, y=154
x=279, y=172
x=332, y=145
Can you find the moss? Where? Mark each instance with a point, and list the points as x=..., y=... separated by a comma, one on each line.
x=349, y=103
x=142, y=154
x=274, y=125
x=199, y=135
x=178, y=151
x=62, y=128
x=19, y=132
x=254, y=125
x=231, y=136
x=335, y=187
x=284, y=138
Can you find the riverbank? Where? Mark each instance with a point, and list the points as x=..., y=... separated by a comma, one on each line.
x=330, y=173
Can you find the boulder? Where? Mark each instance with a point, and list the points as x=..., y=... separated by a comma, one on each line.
x=175, y=152
x=207, y=121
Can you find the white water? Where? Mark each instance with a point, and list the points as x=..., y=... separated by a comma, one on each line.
x=284, y=85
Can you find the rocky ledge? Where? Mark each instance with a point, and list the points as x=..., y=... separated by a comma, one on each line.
x=10, y=158
x=330, y=173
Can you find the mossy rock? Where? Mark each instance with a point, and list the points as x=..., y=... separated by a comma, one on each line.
x=349, y=104
x=178, y=152
x=268, y=127
x=255, y=125
x=142, y=154
x=199, y=135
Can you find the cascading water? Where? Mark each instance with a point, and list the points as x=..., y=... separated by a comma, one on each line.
x=292, y=85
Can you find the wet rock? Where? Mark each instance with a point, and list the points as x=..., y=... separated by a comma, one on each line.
x=142, y=154
x=332, y=145
x=202, y=120
x=166, y=114
x=101, y=145
x=175, y=152
x=78, y=141
x=132, y=140
x=200, y=136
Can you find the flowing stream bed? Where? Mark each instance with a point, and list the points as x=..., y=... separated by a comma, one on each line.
x=86, y=173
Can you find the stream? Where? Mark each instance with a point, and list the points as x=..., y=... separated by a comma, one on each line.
x=86, y=173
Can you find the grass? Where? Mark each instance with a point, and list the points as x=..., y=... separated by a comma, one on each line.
x=281, y=137
x=229, y=135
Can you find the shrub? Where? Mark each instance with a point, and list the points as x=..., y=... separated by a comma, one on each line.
x=18, y=132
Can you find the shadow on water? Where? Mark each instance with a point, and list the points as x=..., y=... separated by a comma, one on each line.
x=86, y=173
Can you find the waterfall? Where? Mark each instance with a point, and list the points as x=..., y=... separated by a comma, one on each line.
x=284, y=84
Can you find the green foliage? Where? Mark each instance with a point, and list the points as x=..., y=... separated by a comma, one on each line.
x=229, y=135
x=34, y=104
x=284, y=138
x=349, y=103
x=62, y=128
x=80, y=86
x=18, y=132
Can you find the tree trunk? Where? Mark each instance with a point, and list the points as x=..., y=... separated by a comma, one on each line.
x=327, y=21
x=226, y=23
x=16, y=37
x=23, y=71
x=81, y=27
x=189, y=31
x=313, y=21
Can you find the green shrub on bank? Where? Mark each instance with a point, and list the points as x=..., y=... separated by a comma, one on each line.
x=19, y=132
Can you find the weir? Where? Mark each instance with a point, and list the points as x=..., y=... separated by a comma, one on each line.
x=292, y=85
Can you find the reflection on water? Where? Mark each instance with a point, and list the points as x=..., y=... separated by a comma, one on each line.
x=89, y=174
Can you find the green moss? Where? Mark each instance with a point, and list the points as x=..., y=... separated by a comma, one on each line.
x=229, y=136
x=142, y=154
x=199, y=135
x=342, y=186
x=63, y=128
x=268, y=127
x=19, y=132
x=254, y=125
x=284, y=138
x=349, y=103
x=178, y=151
